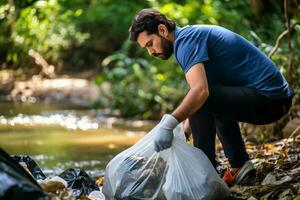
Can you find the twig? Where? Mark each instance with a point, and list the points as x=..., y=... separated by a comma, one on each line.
x=287, y=20
x=11, y=12
x=280, y=37
x=278, y=40
x=47, y=70
x=284, y=33
x=293, y=135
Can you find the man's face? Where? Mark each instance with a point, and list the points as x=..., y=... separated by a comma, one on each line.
x=156, y=45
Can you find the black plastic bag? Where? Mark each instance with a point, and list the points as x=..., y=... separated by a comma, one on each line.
x=79, y=181
x=31, y=165
x=16, y=183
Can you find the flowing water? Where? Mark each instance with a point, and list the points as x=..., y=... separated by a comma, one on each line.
x=59, y=137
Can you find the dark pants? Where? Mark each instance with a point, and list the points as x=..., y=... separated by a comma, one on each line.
x=224, y=108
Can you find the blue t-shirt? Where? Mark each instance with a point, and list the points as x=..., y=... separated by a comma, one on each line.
x=229, y=60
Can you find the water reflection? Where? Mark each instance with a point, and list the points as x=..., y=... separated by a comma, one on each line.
x=56, y=149
x=67, y=119
x=58, y=140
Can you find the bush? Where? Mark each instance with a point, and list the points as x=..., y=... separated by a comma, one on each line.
x=140, y=88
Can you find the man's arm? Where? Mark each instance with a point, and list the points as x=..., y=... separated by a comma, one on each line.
x=197, y=95
x=187, y=129
x=194, y=99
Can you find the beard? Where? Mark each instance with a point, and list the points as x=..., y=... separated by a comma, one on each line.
x=167, y=49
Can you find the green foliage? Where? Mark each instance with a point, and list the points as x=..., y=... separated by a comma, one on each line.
x=107, y=23
x=138, y=87
x=79, y=34
x=4, y=30
x=34, y=29
x=64, y=31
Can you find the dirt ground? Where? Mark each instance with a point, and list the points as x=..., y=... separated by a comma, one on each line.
x=278, y=171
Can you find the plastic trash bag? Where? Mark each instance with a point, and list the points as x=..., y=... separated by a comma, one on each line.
x=57, y=188
x=16, y=183
x=79, y=181
x=181, y=172
x=33, y=168
x=96, y=195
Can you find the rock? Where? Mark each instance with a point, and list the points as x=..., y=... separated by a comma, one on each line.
x=6, y=81
x=290, y=127
x=61, y=90
x=258, y=133
x=269, y=179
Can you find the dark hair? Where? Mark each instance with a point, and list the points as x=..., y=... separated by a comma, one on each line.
x=148, y=20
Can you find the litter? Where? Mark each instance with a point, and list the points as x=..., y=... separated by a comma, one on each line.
x=181, y=172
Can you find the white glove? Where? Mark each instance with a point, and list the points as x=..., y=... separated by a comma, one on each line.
x=164, y=132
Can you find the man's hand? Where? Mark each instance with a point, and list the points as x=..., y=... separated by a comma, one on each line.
x=164, y=132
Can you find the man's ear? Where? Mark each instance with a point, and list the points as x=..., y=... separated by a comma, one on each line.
x=163, y=30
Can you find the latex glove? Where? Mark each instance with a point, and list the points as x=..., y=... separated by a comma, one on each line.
x=164, y=132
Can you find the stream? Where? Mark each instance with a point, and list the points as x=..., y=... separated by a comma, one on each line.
x=59, y=137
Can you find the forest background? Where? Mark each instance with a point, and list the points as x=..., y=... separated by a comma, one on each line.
x=89, y=35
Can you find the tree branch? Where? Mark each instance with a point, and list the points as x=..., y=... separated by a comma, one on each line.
x=280, y=37
x=278, y=40
x=46, y=70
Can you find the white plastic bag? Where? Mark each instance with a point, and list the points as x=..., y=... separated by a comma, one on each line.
x=181, y=172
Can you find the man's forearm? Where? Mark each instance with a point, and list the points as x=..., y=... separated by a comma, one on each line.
x=186, y=127
x=194, y=99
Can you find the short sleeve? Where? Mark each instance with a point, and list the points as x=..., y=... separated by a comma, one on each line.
x=190, y=51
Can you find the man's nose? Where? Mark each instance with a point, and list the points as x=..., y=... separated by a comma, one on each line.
x=151, y=51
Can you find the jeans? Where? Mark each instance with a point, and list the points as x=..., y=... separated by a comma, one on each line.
x=224, y=108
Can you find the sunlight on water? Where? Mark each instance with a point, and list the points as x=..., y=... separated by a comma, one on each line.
x=56, y=149
x=59, y=140
x=67, y=120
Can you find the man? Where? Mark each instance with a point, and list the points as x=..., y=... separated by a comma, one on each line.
x=230, y=81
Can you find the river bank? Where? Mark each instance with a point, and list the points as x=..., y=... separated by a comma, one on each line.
x=72, y=91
